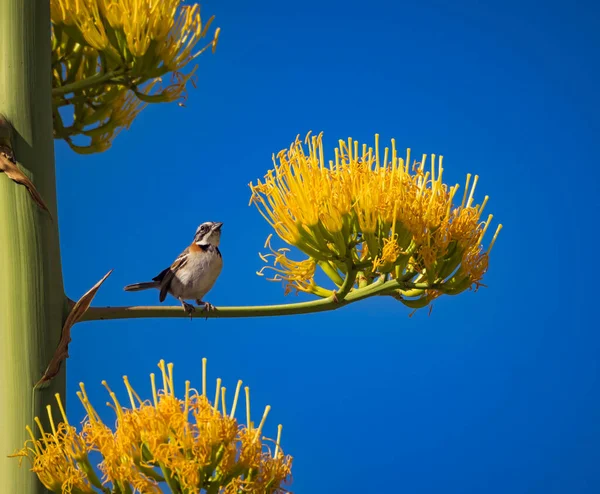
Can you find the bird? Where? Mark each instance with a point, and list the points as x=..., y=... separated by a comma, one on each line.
x=193, y=273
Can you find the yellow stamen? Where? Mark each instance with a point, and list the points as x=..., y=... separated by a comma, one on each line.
x=129, y=391
x=171, y=385
x=204, y=377
x=223, y=405
x=154, y=395
x=217, y=395
x=187, y=399
x=61, y=408
x=264, y=418
x=235, y=399
x=33, y=440
x=161, y=366
x=248, y=422
x=277, y=444
x=494, y=239
x=482, y=207
x=113, y=397
x=485, y=227
x=41, y=428
x=462, y=204
x=470, y=201
x=51, y=419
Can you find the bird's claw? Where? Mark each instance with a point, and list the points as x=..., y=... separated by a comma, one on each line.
x=334, y=297
x=207, y=306
x=188, y=308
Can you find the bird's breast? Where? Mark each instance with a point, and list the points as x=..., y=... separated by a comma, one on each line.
x=199, y=274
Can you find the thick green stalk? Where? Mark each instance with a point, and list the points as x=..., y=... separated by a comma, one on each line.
x=32, y=301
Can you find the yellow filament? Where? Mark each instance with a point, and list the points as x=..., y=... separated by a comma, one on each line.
x=153, y=381
x=51, y=419
x=187, y=399
x=61, y=408
x=41, y=428
x=204, y=377
x=33, y=440
x=423, y=161
x=278, y=442
x=470, y=201
x=494, y=239
x=113, y=397
x=485, y=227
x=249, y=424
x=161, y=366
x=217, y=395
x=235, y=399
x=129, y=391
x=264, y=418
x=223, y=405
x=171, y=384
x=83, y=397
x=462, y=204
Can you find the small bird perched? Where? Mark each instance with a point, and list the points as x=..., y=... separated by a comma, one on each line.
x=193, y=273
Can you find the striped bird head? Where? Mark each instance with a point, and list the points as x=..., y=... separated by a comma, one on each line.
x=208, y=233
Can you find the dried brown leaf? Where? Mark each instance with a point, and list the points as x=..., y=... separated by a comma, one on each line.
x=9, y=166
x=62, y=350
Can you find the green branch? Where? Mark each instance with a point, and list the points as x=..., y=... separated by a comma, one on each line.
x=86, y=83
x=379, y=287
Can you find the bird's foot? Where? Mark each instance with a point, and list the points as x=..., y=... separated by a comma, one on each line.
x=335, y=297
x=207, y=306
x=188, y=308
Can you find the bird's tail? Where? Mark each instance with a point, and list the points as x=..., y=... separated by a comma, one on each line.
x=136, y=287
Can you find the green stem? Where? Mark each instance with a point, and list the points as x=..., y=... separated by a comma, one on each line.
x=32, y=301
x=348, y=282
x=378, y=287
x=171, y=482
x=89, y=82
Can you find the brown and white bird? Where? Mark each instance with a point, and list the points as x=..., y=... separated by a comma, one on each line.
x=193, y=273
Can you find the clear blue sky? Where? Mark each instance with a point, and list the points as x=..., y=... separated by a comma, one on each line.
x=497, y=391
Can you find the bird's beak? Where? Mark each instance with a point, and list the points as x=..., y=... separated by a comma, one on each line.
x=217, y=226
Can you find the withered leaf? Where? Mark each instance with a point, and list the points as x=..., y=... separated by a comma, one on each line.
x=62, y=350
x=8, y=166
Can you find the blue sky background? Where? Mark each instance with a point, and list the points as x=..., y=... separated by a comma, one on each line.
x=497, y=391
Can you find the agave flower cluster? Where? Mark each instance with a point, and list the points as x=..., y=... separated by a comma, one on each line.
x=164, y=445
x=109, y=58
x=366, y=217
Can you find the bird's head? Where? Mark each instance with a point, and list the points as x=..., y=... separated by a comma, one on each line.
x=208, y=233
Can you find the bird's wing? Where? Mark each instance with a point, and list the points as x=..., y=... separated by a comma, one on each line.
x=166, y=276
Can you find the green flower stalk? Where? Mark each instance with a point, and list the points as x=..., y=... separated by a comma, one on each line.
x=364, y=217
x=109, y=58
x=190, y=445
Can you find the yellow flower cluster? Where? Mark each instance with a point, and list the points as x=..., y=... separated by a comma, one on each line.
x=379, y=216
x=189, y=445
x=108, y=52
